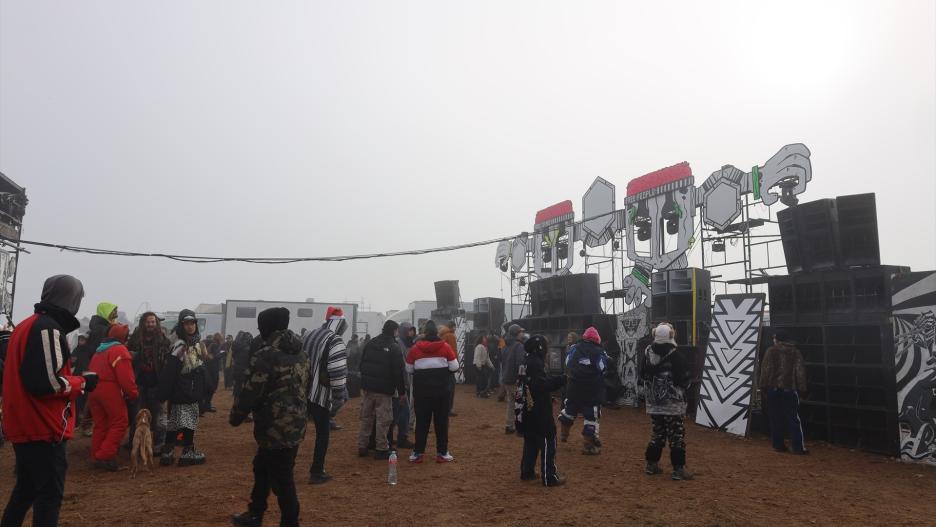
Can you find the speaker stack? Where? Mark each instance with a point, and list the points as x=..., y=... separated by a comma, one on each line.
x=565, y=304
x=448, y=302
x=836, y=306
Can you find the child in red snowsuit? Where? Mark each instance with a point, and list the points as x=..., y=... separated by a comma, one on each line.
x=116, y=382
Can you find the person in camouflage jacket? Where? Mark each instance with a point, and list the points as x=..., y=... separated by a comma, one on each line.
x=275, y=388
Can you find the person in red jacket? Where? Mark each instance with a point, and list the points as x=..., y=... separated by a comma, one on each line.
x=116, y=385
x=39, y=392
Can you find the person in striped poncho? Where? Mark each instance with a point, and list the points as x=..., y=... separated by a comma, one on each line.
x=328, y=360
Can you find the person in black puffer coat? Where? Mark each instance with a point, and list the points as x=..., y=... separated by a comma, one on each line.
x=586, y=364
x=382, y=375
x=536, y=421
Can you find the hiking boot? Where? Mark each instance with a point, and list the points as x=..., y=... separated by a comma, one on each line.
x=405, y=443
x=109, y=465
x=415, y=458
x=382, y=455
x=167, y=458
x=317, y=478
x=190, y=457
x=444, y=458
x=557, y=481
x=597, y=440
x=589, y=448
x=680, y=473
x=247, y=519
x=564, y=429
x=652, y=468
x=362, y=452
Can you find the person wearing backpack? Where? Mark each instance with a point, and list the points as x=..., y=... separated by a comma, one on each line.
x=585, y=367
x=183, y=382
x=668, y=376
x=534, y=414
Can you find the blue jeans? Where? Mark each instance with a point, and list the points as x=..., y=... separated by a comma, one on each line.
x=401, y=417
x=783, y=411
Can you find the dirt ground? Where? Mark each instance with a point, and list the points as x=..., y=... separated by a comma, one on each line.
x=738, y=481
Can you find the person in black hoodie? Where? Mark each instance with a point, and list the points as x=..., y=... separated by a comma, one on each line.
x=536, y=421
x=668, y=376
x=381, y=375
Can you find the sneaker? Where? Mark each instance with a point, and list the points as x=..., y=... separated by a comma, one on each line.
x=382, y=455
x=557, y=481
x=247, y=519
x=109, y=465
x=680, y=473
x=362, y=452
x=415, y=458
x=191, y=457
x=333, y=425
x=444, y=458
x=317, y=478
x=652, y=468
x=405, y=443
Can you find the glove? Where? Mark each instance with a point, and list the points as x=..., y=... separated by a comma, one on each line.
x=90, y=381
x=235, y=419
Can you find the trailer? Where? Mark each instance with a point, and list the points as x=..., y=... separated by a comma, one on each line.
x=241, y=315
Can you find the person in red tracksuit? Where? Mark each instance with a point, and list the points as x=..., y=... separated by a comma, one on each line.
x=116, y=384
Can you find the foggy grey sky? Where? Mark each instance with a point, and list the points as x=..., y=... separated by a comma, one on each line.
x=323, y=128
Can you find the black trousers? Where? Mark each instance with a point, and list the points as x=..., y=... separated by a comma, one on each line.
x=435, y=410
x=40, y=484
x=273, y=470
x=320, y=417
x=484, y=374
x=543, y=447
x=452, y=392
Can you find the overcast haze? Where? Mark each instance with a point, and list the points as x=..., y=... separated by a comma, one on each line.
x=324, y=128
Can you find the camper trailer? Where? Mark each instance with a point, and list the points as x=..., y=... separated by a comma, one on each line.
x=241, y=315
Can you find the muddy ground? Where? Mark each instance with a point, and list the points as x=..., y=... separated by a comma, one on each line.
x=738, y=482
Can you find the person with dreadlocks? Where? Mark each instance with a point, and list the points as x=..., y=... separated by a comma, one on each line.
x=183, y=383
x=149, y=347
x=535, y=420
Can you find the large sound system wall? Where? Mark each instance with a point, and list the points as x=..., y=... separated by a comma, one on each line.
x=569, y=294
x=830, y=234
x=488, y=313
x=840, y=321
x=557, y=328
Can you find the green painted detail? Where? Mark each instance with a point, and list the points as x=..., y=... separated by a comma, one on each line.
x=755, y=181
x=679, y=210
x=645, y=280
x=691, y=242
x=632, y=212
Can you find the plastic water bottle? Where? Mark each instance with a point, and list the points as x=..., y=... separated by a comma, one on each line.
x=392, y=471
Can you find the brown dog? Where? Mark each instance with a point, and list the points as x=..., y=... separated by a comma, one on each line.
x=142, y=452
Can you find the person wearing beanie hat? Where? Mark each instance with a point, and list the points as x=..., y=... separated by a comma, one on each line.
x=535, y=419
x=431, y=362
x=382, y=375
x=183, y=382
x=511, y=358
x=668, y=376
x=39, y=393
x=108, y=403
x=783, y=377
x=328, y=360
x=586, y=364
x=276, y=393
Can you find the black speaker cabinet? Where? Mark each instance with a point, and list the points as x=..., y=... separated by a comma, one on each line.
x=858, y=230
x=683, y=297
x=810, y=236
x=488, y=312
x=447, y=295
x=569, y=294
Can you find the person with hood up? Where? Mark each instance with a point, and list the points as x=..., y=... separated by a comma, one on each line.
x=275, y=392
x=403, y=416
x=447, y=333
x=105, y=315
x=39, y=392
x=668, y=375
x=431, y=361
x=536, y=421
x=783, y=376
x=116, y=385
x=184, y=383
x=512, y=357
x=382, y=373
x=149, y=347
x=585, y=366
x=328, y=362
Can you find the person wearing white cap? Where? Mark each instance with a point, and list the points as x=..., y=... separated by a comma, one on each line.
x=667, y=375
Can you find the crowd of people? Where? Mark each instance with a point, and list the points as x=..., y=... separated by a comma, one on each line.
x=282, y=381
